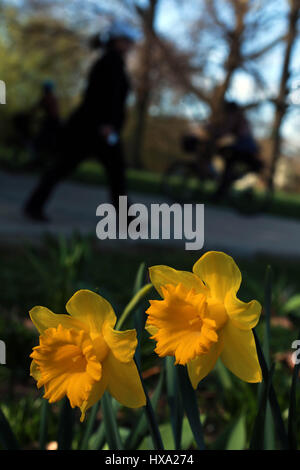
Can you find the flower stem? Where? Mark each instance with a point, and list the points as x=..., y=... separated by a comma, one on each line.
x=133, y=304
x=154, y=429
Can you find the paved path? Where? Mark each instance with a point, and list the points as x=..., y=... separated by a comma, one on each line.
x=73, y=208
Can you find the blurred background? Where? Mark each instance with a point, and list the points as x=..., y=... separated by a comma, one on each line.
x=190, y=57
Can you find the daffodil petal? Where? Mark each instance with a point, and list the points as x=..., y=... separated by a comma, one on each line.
x=124, y=383
x=34, y=371
x=200, y=367
x=244, y=315
x=219, y=272
x=162, y=275
x=152, y=330
x=43, y=318
x=95, y=395
x=239, y=353
x=122, y=343
x=91, y=309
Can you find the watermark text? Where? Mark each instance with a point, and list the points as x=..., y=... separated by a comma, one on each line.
x=2, y=92
x=2, y=352
x=156, y=222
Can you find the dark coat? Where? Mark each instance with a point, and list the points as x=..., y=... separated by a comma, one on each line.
x=106, y=93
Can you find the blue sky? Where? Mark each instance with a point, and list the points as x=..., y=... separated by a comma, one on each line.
x=174, y=17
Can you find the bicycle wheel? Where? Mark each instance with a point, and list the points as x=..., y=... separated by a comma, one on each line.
x=181, y=181
x=250, y=202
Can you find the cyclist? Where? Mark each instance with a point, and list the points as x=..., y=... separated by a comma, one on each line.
x=234, y=142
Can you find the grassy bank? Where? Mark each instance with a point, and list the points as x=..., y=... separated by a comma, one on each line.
x=50, y=274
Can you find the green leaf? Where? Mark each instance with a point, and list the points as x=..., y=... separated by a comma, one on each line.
x=89, y=426
x=224, y=375
x=175, y=401
x=139, y=280
x=269, y=429
x=258, y=439
x=234, y=435
x=44, y=424
x=66, y=425
x=237, y=437
x=7, y=437
x=276, y=412
x=139, y=314
x=190, y=406
x=153, y=426
x=133, y=304
x=292, y=305
x=141, y=426
x=167, y=436
x=292, y=419
x=267, y=310
x=270, y=441
x=109, y=417
x=97, y=440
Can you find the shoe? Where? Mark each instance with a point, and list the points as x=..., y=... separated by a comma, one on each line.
x=36, y=215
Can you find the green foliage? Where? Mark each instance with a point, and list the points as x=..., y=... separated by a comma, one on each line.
x=24, y=64
x=229, y=407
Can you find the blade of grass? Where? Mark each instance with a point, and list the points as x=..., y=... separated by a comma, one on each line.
x=224, y=376
x=267, y=309
x=153, y=426
x=139, y=324
x=278, y=421
x=65, y=427
x=234, y=435
x=139, y=279
x=292, y=419
x=89, y=426
x=109, y=417
x=132, y=305
x=44, y=424
x=97, y=440
x=269, y=437
x=139, y=314
x=190, y=405
x=140, y=429
x=175, y=401
x=258, y=440
x=7, y=437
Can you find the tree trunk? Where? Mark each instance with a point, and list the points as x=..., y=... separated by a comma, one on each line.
x=141, y=107
x=234, y=59
x=144, y=90
x=281, y=104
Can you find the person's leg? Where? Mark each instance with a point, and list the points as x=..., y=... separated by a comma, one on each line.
x=68, y=157
x=73, y=144
x=227, y=176
x=34, y=207
x=254, y=162
x=112, y=158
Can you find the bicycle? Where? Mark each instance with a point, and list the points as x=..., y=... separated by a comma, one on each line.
x=193, y=179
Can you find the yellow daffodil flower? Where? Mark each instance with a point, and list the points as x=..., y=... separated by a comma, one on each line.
x=200, y=318
x=80, y=355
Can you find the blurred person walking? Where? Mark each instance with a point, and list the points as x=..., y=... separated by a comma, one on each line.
x=95, y=126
